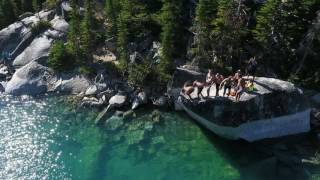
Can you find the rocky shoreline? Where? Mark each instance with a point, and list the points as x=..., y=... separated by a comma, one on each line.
x=24, y=71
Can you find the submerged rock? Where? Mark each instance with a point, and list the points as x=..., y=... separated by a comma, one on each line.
x=129, y=115
x=114, y=123
x=103, y=115
x=161, y=101
x=135, y=137
x=155, y=116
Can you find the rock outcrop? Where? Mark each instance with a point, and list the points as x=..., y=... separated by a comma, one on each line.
x=270, y=98
x=31, y=79
x=140, y=99
x=14, y=34
x=41, y=45
x=71, y=84
x=38, y=48
x=118, y=100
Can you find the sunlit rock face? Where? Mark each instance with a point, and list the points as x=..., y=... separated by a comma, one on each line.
x=30, y=79
x=41, y=45
x=38, y=48
x=11, y=36
x=226, y=112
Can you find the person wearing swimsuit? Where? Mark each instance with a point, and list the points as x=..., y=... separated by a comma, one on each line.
x=187, y=89
x=226, y=83
x=210, y=79
x=200, y=86
x=240, y=88
x=218, y=81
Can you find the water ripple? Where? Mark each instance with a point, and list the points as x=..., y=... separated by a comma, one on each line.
x=24, y=143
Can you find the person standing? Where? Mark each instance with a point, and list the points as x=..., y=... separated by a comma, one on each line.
x=227, y=84
x=218, y=80
x=252, y=67
x=187, y=89
x=210, y=79
x=241, y=87
x=200, y=86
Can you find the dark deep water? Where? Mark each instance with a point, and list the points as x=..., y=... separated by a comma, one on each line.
x=46, y=139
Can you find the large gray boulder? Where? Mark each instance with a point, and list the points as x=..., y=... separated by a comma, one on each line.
x=60, y=24
x=41, y=45
x=13, y=35
x=140, y=99
x=71, y=84
x=270, y=98
x=29, y=80
x=117, y=100
x=38, y=48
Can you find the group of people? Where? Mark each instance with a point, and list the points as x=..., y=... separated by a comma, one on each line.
x=232, y=85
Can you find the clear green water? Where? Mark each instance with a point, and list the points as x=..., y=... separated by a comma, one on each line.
x=46, y=139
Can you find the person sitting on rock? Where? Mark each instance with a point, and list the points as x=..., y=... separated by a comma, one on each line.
x=210, y=79
x=240, y=88
x=250, y=85
x=218, y=81
x=237, y=75
x=187, y=89
x=200, y=86
x=226, y=83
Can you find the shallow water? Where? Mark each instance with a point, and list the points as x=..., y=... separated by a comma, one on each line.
x=46, y=139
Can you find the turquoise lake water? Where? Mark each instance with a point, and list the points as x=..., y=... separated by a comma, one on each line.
x=46, y=139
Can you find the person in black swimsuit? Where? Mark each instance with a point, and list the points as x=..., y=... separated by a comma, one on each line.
x=226, y=83
x=218, y=80
x=252, y=67
x=200, y=86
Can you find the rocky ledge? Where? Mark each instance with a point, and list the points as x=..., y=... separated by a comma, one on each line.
x=270, y=98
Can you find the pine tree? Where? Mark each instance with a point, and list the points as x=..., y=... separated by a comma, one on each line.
x=87, y=35
x=18, y=7
x=280, y=28
x=8, y=12
x=229, y=33
x=111, y=12
x=74, y=32
x=267, y=21
x=171, y=36
x=2, y=23
x=123, y=33
x=37, y=5
x=27, y=6
x=205, y=13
